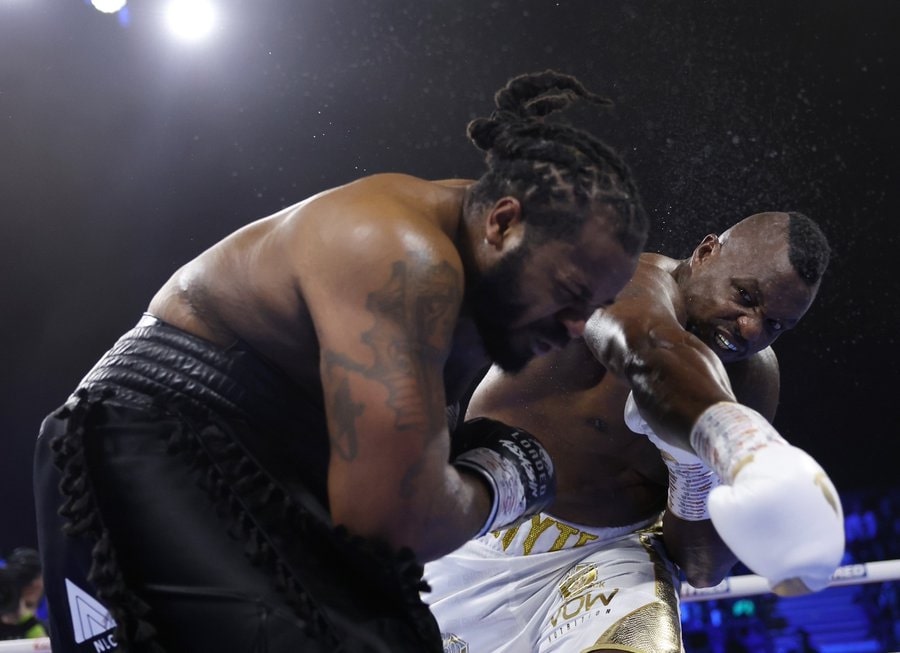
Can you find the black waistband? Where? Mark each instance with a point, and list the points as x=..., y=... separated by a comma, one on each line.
x=155, y=359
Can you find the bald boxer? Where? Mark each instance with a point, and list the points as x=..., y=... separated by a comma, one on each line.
x=262, y=463
x=658, y=423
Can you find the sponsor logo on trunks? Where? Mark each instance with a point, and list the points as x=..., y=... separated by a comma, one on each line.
x=453, y=644
x=565, y=536
x=583, y=594
x=90, y=619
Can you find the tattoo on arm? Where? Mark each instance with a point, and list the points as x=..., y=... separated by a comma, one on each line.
x=427, y=304
x=343, y=437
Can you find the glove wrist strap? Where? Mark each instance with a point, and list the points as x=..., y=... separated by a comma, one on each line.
x=727, y=434
x=515, y=465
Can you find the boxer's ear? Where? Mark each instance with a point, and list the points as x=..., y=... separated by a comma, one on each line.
x=709, y=246
x=504, y=227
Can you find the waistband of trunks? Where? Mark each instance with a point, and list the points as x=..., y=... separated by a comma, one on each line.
x=156, y=360
x=544, y=533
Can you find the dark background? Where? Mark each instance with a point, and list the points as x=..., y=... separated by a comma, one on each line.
x=123, y=153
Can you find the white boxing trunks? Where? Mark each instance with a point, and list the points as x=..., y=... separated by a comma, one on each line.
x=548, y=586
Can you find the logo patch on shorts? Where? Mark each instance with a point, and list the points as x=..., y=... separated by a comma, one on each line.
x=582, y=593
x=580, y=579
x=89, y=618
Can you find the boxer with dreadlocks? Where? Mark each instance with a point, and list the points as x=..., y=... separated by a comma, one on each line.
x=263, y=461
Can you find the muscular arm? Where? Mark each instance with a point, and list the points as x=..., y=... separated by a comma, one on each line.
x=695, y=545
x=385, y=303
x=673, y=375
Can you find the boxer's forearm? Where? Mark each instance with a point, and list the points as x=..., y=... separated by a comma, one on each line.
x=674, y=377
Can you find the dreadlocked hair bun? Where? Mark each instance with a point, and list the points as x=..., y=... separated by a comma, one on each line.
x=560, y=174
x=528, y=98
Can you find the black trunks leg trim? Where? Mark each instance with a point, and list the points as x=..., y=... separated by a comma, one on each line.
x=133, y=633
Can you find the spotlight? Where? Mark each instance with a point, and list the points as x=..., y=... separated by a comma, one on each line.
x=108, y=6
x=190, y=19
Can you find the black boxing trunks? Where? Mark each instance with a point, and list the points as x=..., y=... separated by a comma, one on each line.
x=181, y=508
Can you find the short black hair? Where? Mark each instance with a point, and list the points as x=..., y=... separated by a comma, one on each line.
x=25, y=563
x=560, y=174
x=808, y=248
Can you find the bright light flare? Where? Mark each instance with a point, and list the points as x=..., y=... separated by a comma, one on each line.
x=190, y=19
x=108, y=6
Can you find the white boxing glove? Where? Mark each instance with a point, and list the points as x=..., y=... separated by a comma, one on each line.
x=690, y=481
x=777, y=510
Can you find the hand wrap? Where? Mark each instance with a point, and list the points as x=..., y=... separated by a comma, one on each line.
x=690, y=481
x=778, y=511
x=515, y=465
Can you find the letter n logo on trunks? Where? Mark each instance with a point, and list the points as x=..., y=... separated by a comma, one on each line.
x=89, y=618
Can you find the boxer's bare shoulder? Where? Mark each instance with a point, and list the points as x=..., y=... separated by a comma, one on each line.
x=270, y=282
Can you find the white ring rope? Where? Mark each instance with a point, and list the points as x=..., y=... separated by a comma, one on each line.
x=732, y=587
x=736, y=586
x=25, y=645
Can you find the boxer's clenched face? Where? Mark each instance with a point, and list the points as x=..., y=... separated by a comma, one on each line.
x=744, y=293
x=538, y=295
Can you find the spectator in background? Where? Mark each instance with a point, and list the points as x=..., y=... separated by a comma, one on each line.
x=26, y=564
x=16, y=621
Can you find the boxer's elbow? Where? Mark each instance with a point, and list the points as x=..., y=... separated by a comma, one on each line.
x=705, y=576
x=695, y=546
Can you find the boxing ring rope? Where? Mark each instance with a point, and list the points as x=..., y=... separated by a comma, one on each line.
x=732, y=587
x=26, y=645
x=736, y=586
